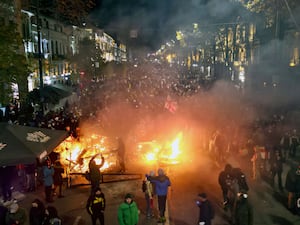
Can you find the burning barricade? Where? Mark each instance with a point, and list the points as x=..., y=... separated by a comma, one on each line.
x=75, y=155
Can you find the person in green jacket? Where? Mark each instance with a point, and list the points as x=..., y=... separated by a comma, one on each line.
x=128, y=213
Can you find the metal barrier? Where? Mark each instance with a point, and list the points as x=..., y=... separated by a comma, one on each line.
x=105, y=178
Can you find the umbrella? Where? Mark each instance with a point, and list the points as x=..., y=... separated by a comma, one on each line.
x=23, y=144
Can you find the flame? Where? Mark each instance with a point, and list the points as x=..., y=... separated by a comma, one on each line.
x=172, y=152
x=154, y=152
x=75, y=155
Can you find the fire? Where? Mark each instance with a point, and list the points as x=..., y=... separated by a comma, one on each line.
x=172, y=152
x=153, y=152
x=75, y=155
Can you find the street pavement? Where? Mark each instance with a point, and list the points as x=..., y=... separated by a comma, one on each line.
x=72, y=209
x=269, y=204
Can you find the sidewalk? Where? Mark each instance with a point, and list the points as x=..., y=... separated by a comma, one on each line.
x=72, y=209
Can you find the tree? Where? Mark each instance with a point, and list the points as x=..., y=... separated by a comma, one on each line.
x=70, y=11
x=269, y=9
x=75, y=11
x=13, y=65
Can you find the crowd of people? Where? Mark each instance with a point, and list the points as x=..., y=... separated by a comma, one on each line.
x=38, y=214
x=263, y=145
x=128, y=211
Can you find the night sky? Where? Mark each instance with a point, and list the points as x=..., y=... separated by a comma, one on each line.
x=156, y=20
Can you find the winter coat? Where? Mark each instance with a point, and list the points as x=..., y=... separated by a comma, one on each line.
x=225, y=180
x=292, y=182
x=20, y=216
x=162, y=183
x=37, y=214
x=95, y=170
x=95, y=204
x=148, y=188
x=276, y=163
x=240, y=177
x=128, y=214
x=58, y=171
x=48, y=175
x=206, y=212
x=243, y=212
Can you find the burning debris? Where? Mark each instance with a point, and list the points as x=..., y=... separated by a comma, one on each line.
x=170, y=153
x=75, y=155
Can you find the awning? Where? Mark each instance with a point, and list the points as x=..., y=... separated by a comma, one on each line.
x=50, y=94
x=23, y=144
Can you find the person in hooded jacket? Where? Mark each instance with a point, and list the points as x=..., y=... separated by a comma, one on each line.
x=51, y=216
x=206, y=211
x=162, y=184
x=95, y=206
x=225, y=180
x=243, y=213
x=95, y=175
x=128, y=212
x=36, y=212
x=292, y=185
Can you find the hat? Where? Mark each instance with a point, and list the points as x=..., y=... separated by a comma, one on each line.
x=202, y=195
x=13, y=208
x=128, y=195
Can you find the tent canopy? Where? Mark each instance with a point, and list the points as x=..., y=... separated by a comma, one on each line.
x=23, y=144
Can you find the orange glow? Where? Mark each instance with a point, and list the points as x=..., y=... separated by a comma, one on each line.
x=75, y=155
x=169, y=153
x=172, y=153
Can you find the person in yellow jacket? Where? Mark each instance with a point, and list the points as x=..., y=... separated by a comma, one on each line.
x=95, y=206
